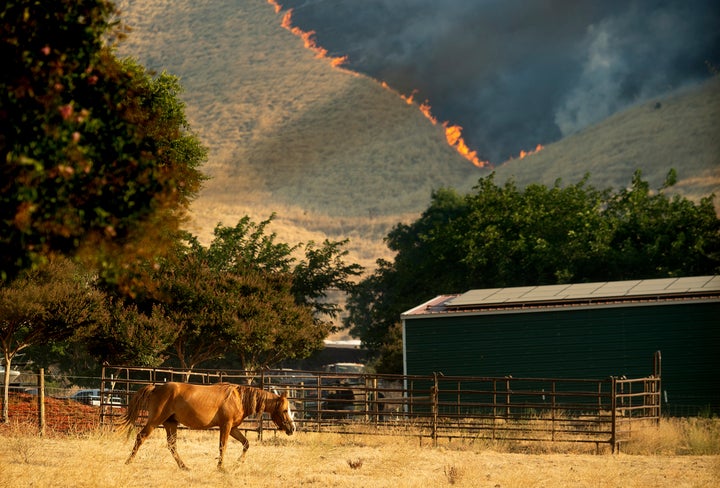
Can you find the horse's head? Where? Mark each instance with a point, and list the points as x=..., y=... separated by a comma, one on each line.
x=282, y=415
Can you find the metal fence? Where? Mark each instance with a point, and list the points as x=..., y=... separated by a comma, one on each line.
x=601, y=411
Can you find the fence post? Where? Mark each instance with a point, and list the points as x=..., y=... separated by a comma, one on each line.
x=102, y=396
x=507, y=399
x=318, y=403
x=613, y=413
x=657, y=373
x=458, y=400
x=435, y=398
x=494, y=402
x=261, y=415
x=553, y=408
x=41, y=401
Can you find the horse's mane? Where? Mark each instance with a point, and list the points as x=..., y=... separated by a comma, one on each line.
x=255, y=400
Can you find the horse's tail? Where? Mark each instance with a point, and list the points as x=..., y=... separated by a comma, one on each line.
x=138, y=402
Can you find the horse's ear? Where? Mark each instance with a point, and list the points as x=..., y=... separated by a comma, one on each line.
x=283, y=394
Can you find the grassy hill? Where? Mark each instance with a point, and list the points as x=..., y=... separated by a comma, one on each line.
x=337, y=155
x=681, y=131
x=333, y=153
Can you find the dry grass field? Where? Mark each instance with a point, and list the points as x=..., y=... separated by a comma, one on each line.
x=332, y=152
x=674, y=455
x=680, y=131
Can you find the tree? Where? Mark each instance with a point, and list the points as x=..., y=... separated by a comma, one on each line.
x=269, y=326
x=132, y=336
x=51, y=303
x=97, y=157
x=499, y=236
x=323, y=269
x=655, y=235
x=247, y=295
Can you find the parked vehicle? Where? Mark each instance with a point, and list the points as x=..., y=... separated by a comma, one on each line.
x=92, y=397
x=352, y=368
x=13, y=374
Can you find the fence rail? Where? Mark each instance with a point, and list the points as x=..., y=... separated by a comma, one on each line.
x=600, y=411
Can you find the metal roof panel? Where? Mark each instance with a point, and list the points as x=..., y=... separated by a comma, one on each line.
x=591, y=292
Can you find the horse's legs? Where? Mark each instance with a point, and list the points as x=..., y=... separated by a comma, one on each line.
x=171, y=430
x=235, y=432
x=142, y=435
x=224, y=435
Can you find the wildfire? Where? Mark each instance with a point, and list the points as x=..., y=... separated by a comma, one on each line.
x=307, y=37
x=453, y=133
x=537, y=149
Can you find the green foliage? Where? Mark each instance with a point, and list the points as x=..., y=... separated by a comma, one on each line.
x=323, y=269
x=247, y=246
x=46, y=305
x=131, y=336
x=96, y=154
x=256, y=300
x=499, y=236
x=654, y=235
x=245, y=295
x=270, y=326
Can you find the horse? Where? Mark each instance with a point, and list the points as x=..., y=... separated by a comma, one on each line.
x=222, y=405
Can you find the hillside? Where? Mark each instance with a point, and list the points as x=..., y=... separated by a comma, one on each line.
x=337, y=155
x=680, y=130
x=333, y=153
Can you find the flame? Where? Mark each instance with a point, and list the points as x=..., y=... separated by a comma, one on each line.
x=453, y=133
x=537, y=149
x=307, y=37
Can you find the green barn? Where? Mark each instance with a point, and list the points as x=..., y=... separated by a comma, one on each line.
x=587, y=330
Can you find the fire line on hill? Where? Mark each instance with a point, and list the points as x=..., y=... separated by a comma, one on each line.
x=453, y=133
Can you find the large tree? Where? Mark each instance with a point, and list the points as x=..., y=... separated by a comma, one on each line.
x=249, y=295
x=96, y=156
x=245, y=296
x=498, y=236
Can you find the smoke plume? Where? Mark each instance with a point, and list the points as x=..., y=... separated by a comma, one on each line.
x=513, y=73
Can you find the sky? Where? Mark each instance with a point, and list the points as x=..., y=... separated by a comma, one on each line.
x=517, y=73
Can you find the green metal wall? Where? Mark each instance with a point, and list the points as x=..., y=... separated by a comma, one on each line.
x=579, y=343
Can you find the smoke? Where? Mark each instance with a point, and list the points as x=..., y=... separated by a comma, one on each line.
x=633, y=57
x=514, y=73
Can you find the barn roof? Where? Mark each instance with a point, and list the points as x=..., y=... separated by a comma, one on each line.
x=608, y=293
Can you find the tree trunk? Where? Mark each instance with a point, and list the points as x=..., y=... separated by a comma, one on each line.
x=6, y=390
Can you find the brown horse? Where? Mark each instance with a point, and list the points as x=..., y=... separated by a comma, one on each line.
x=222, y=405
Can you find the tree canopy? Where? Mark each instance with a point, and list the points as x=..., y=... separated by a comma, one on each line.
x=96, y=154
x=246, y=296
x=44, y=305
x=500, y=236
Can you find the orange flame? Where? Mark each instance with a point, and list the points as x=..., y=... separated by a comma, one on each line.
x=307, y=37
x=537, y=149
x=453, y=133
